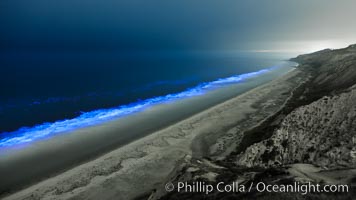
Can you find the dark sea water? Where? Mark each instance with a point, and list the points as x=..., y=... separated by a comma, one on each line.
x=53, y=106
x=46, y=87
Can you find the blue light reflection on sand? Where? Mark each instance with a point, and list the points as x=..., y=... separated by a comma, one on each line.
x=30, y=134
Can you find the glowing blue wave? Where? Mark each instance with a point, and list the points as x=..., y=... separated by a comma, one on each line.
x=30, y=134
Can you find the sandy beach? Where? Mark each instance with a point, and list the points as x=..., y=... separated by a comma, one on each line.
x=144, y=165
x=177, y=100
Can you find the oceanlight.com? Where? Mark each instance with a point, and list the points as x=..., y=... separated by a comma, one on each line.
x=296, y=187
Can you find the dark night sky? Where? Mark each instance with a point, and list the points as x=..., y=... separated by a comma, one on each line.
x=123, y=25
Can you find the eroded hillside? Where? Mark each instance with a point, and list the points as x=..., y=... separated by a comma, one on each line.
x=311, y=139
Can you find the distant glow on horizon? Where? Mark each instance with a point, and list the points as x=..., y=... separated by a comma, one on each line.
x=30, y=134
x=305, y=46
x=314, y=46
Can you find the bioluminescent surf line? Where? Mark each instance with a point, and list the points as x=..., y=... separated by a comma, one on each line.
x=123, y=99
x=27, y=135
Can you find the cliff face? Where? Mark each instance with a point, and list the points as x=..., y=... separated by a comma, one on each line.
x=312, y=139
x=333, y=70
x=321, y=133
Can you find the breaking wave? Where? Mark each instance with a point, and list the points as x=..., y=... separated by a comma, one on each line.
x=45, y=130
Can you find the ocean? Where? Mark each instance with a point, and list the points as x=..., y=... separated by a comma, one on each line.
x=72, y=90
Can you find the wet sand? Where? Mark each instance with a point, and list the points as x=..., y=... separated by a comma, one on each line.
x=137, y=168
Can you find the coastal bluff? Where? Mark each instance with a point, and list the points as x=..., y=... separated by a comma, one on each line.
x=312, y=139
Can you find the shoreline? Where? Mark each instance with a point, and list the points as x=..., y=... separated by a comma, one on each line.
x=46, y=130
x=154, y=151
x=48, y=158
